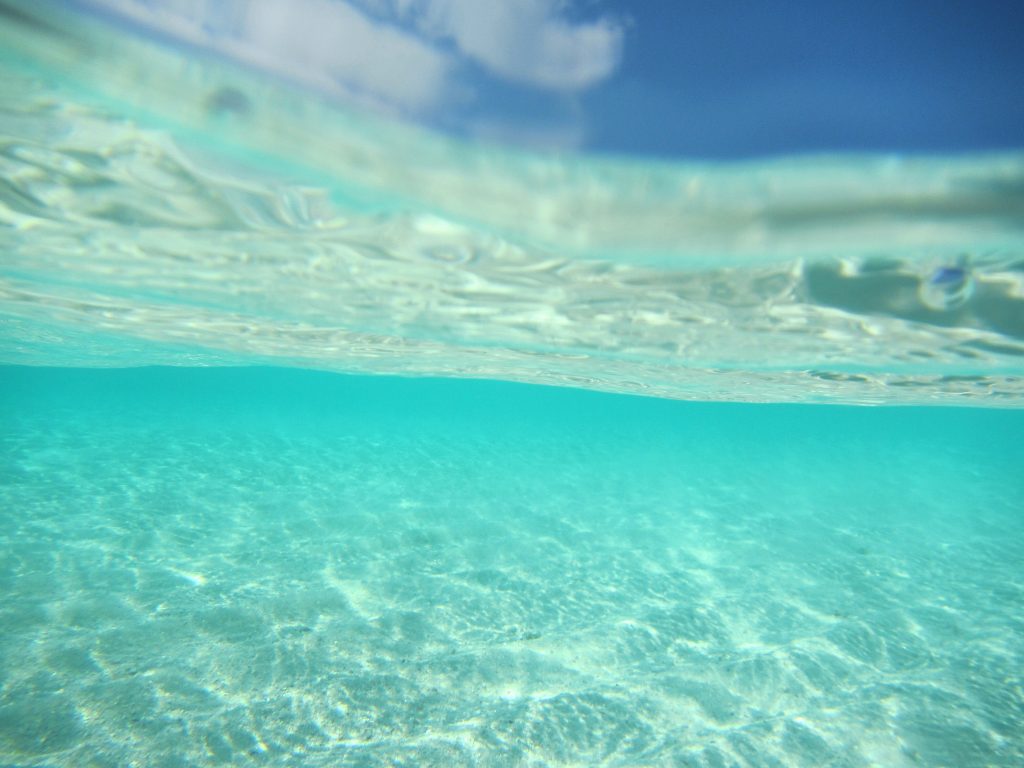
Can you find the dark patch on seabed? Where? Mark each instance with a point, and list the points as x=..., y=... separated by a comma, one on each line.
x=270, y=567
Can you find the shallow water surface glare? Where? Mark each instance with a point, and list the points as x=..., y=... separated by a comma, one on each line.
x=225, y=558
x=163, y=208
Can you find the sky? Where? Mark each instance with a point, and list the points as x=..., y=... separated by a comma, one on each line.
x=727, y=77
x=714, y=79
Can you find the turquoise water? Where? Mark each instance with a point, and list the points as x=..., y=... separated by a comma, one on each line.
x=325, y=441
x=277, y=567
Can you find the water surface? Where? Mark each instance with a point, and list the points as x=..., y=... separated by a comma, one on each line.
x=170, y=208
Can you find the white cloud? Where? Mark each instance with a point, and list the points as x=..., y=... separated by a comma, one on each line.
x=405, y=55
x=326, y=44
x=334, y=40
x=525, y=41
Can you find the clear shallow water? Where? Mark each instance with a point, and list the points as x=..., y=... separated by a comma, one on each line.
x=274, y=567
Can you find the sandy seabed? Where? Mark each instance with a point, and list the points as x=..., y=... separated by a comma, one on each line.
x=612, y=581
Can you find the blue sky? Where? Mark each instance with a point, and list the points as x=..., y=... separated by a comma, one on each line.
x=726, y=77
x=701, y=79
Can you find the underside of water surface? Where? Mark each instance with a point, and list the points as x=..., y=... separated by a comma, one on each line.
x=280, y=485
x=161, y=208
